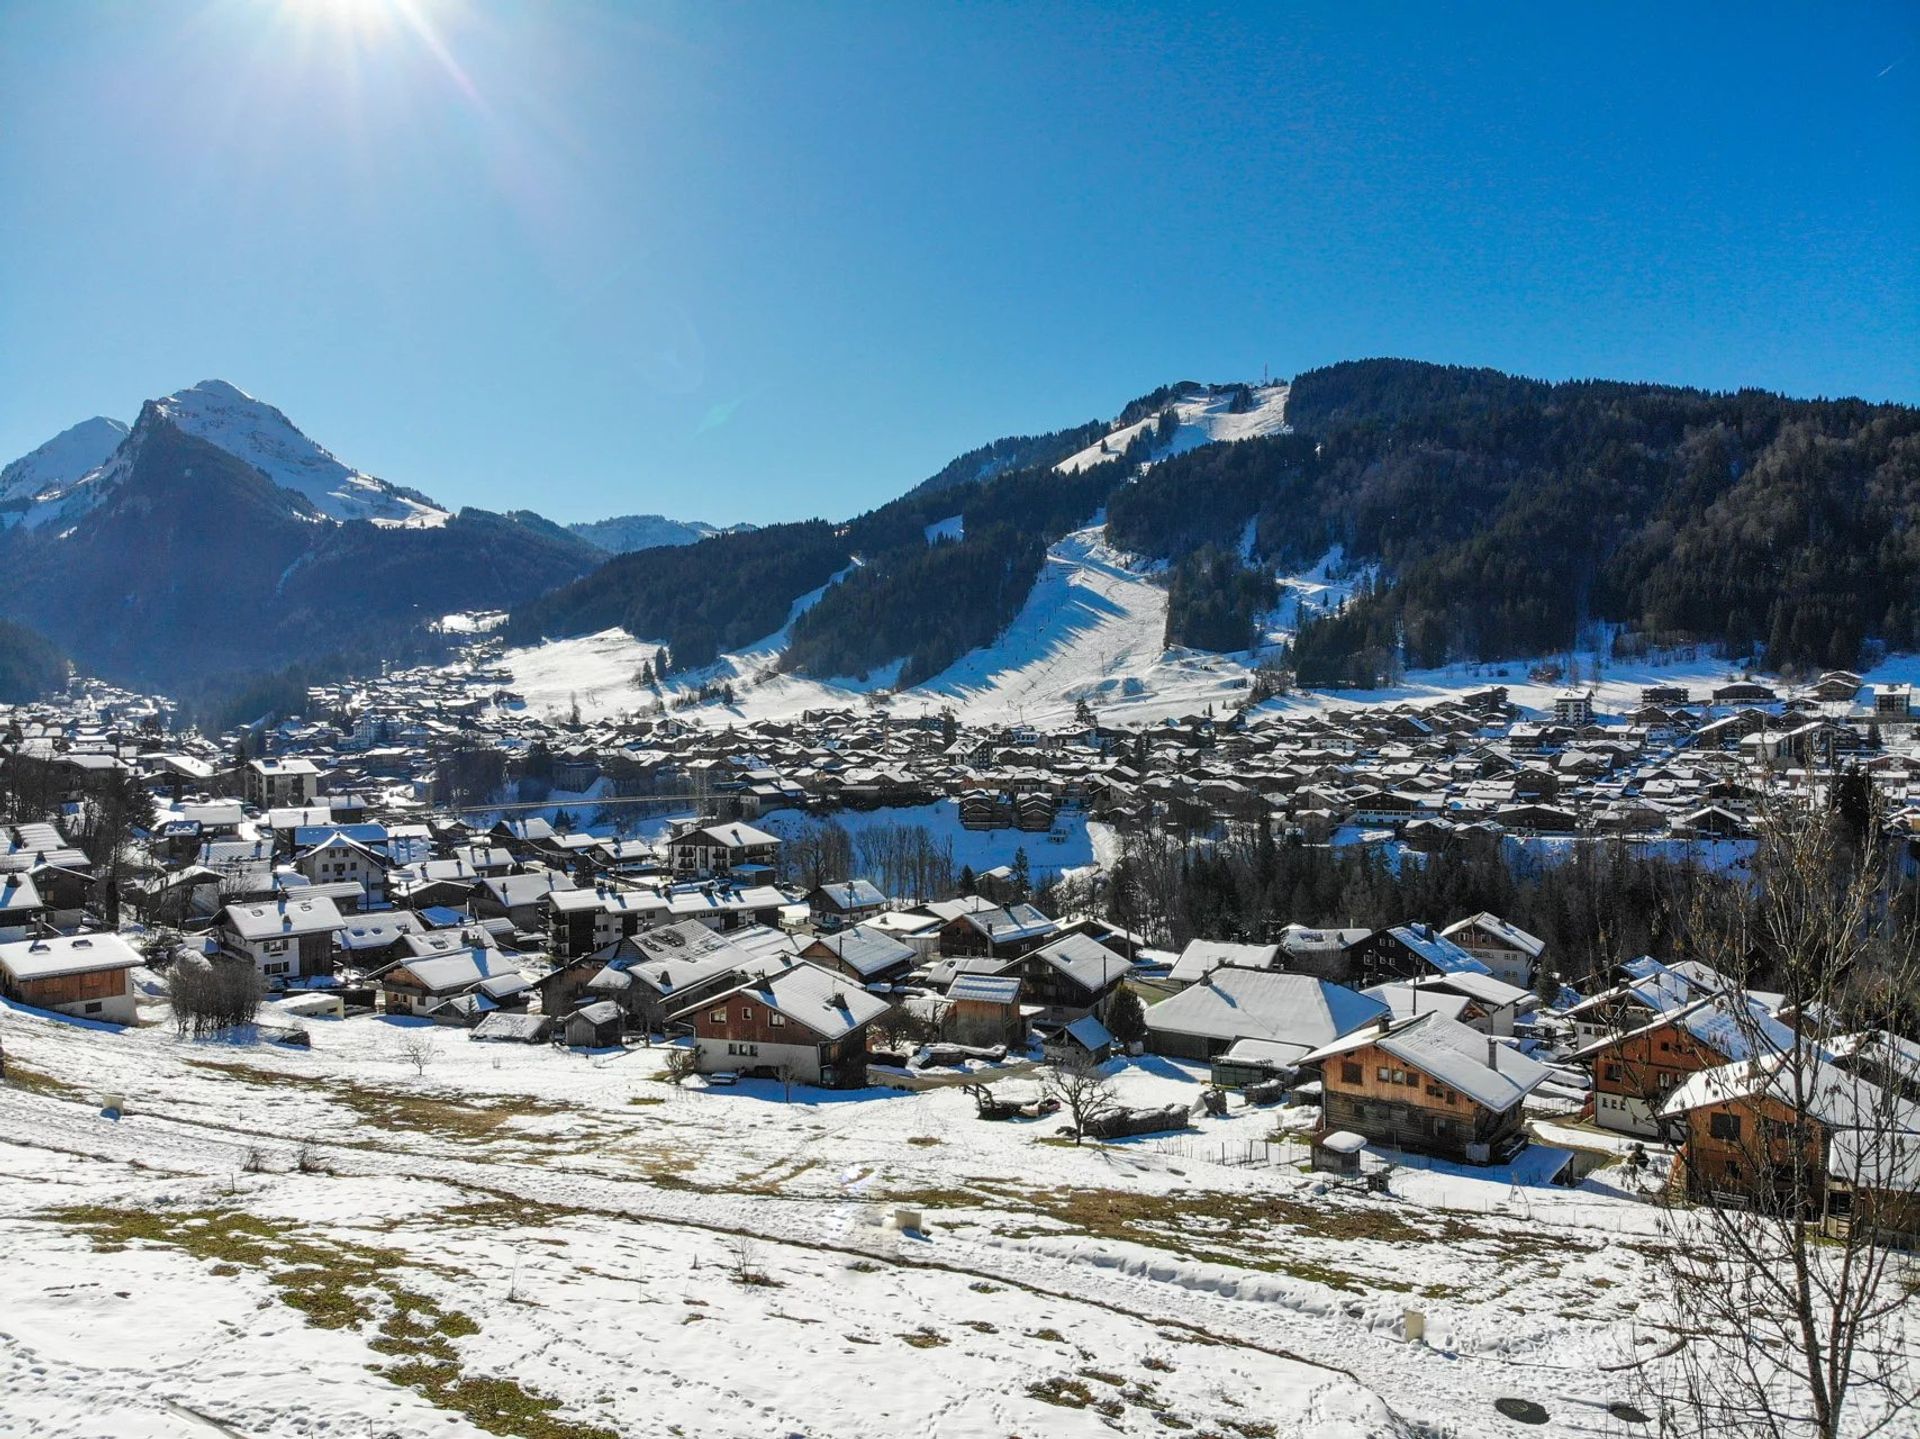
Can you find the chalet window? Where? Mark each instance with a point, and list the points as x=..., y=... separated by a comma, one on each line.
x=92, y=1008
x=746, y=1014
x=277, y=968
x=776, y=1020
x=1609, y=1071
x=1411, y=1079
x=276, y=946
x=1384, y=1075
x=719, y=1016
x=1434, y=1091
x=1723, y=1126
x=1351, y=1073
x=1451, y=1096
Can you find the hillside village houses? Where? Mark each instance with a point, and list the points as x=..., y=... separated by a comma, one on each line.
x=654, y=891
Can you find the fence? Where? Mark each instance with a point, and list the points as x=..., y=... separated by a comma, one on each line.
x=1237, y=1153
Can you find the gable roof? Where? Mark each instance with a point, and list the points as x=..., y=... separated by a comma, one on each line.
x=283, y=918
x=1491, y=1074
x=864, y=951
x=61, y=954
x=1202, y=955
x=1296, y=1010
x=820, y=1000
x=1508, y=934
x=1083, y=959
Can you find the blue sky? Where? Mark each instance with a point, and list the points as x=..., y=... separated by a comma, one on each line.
x=755, y=262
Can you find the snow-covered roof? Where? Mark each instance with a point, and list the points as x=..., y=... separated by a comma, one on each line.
x=1495, y=993
x=1832, y=1096
x=1083, y=959
x=284, y=917
x=1296, y=1010
x=864, y=951
x=851, y=894
x=1491, y=1074
x=827, y=1003
x=1442, y=953
x=1202, y=955
x=1407, y=1001
x=985, y=988
x=60, y=954
x=1508, y=934
x=466, y=969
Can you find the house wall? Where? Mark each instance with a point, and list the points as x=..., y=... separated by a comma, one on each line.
x=1721, y=1164
x=105, y=994
x=1176, y=1045
x=1638, y=1071
x=740, y=1033
x=1416, y=1112
x=973, y=1021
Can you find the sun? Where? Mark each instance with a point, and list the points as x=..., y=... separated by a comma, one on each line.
x=359, y=18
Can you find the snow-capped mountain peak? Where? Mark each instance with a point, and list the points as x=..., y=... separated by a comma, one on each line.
x=52, y=470
x=254, y=431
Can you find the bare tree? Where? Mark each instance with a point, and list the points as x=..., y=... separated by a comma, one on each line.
x=212, y=994
x=1083, y=1091
x=682, y=1063
x=1803, y=1157
x=418, y=1048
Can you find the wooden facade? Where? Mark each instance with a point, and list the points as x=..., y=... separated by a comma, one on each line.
x=1373, y=1093
x=1634, y=1073
x=739, y=1032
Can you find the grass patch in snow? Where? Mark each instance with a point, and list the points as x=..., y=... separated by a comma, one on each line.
x=438, y=1115
x=340, y=1285
x=34, y=1082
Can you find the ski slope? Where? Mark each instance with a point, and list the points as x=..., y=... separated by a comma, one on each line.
x=1203, y=420
x=1092, y=629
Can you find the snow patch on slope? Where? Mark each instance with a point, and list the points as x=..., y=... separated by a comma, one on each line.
x=1203, y=419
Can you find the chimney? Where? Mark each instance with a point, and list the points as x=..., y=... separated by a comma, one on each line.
x=1493, y=1054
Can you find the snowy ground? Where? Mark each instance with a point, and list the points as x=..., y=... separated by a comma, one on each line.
x=568, y=1228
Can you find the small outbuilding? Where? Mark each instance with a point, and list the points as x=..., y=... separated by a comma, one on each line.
x=1338, y=1152
x=595, y=1026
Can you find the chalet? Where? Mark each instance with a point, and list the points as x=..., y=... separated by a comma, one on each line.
x=1325, y=953
x=84, y=974
x=845, y=903
x=1634, y=1072
x=802, y=1023
x=1743, y=1122
x=1408, y=951
x=1492, y=1006
x=1743, y=692
x=1070, y=975
x=338, y=858
x=1292, y=1013
x=273, y=783
x=652, y=974
x=1508, y=951
x=716, y=849
x=1430, y=1085
x=984, y=1009
x=1016, y=930
x=287, y=939
x=461, y=987
x=594, y=1026
x=862, y=955
x=22, y=911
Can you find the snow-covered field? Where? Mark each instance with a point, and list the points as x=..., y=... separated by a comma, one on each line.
x=276, y=1242
x=979, y=849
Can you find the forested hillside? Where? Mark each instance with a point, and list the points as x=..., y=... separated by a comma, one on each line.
x=1507, y=514
x=1503, y=517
